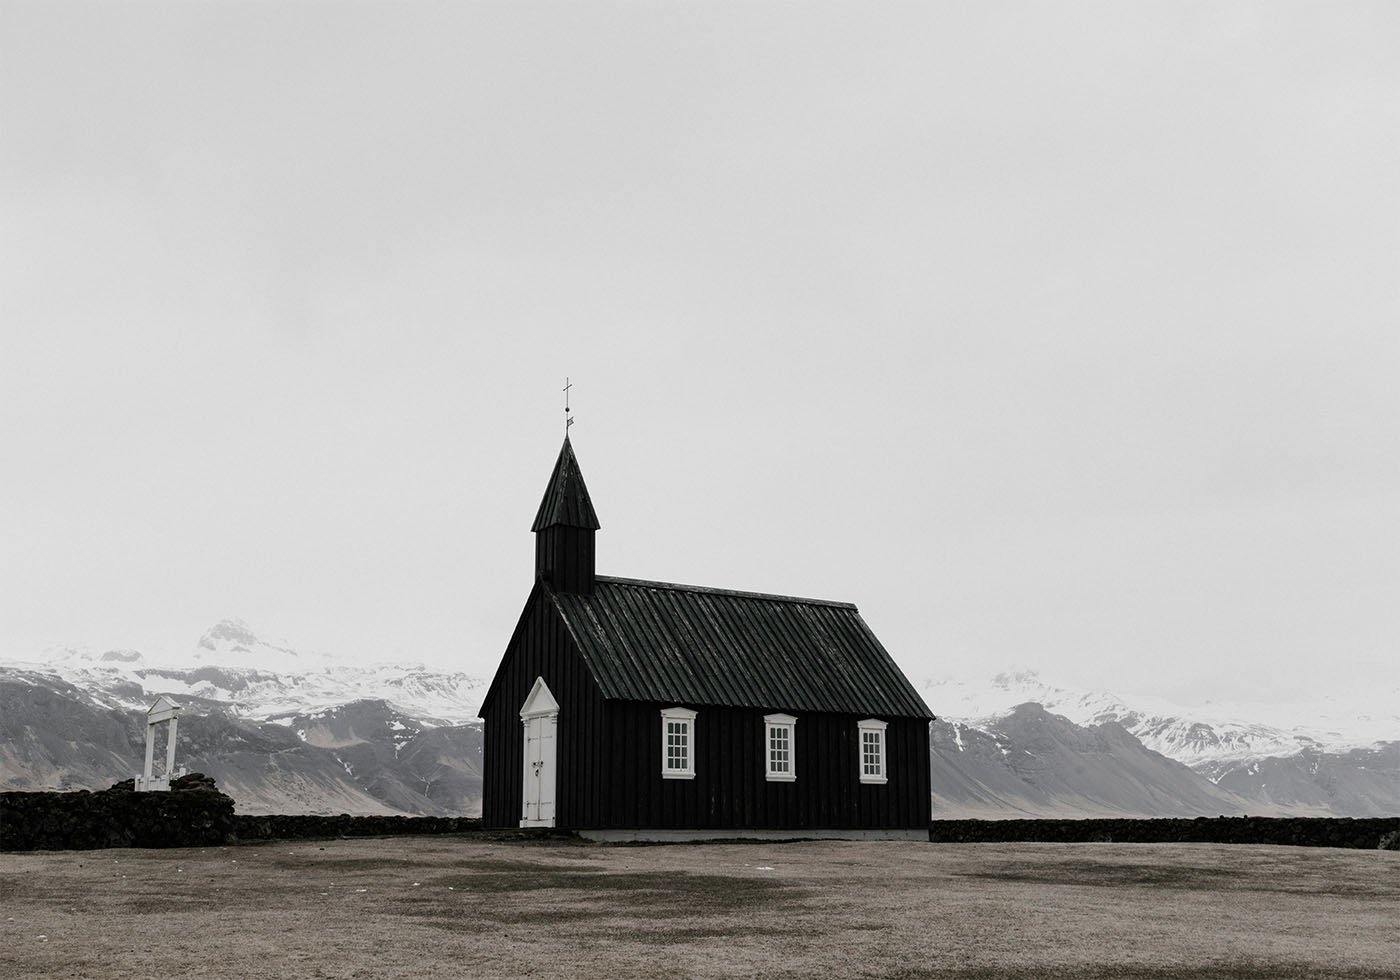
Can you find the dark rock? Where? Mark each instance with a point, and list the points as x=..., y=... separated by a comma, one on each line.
x=194, y=781
x=194, y=814
x=304, y=826
x=1367, y=832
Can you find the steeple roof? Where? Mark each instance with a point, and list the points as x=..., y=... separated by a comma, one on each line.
x=566, y=498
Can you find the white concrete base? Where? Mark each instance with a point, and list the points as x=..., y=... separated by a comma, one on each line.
x=682, y=836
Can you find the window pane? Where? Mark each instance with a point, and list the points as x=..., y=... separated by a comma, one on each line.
x=870, y=744
x=677, y=737
x=780, y=750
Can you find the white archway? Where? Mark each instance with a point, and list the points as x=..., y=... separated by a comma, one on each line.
x=163, y=711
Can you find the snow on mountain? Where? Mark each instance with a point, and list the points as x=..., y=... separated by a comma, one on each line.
x=289, y=731
x=1032, y=762
x=262, y=680
x=1207, y=737
x=230, y=643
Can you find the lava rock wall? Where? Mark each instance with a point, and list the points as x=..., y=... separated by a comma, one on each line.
x=195, y=814
x=306, y=826
x=1367, y=832
x=192, y=814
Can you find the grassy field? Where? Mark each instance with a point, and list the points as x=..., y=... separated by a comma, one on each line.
x=457, y=907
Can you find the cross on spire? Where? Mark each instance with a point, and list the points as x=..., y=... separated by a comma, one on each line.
x=568, y=419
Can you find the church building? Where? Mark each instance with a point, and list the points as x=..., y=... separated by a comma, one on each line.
x=627, y=709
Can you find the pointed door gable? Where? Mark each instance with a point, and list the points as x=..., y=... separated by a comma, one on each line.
x=539, y=702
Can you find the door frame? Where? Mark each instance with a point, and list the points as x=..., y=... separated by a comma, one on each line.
x=540, y=715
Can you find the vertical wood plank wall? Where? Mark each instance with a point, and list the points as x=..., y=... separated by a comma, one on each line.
x=609, y=757
x=542, y=648
x=565, y=556
x=730, y=790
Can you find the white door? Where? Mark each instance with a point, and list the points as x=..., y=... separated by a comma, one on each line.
x=540, y=719
x=538, y=809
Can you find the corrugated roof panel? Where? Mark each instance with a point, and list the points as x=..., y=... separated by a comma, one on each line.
x=696, y=635
x=783, y=652
x=653, y=641
x=659, y=647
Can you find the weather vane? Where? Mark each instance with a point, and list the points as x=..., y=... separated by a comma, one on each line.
x=568, y=419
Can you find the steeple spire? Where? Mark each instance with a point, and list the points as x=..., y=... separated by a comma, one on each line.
x=564, y=526
x=566, y=498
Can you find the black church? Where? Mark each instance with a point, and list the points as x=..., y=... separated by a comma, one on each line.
x=627, y=709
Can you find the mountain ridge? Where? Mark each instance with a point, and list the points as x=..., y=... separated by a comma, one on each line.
x=303, y=733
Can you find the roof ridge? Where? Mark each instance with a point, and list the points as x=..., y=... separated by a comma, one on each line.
x=710, y=590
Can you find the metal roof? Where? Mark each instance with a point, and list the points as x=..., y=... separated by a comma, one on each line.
x=566, y=498
x=654, y=641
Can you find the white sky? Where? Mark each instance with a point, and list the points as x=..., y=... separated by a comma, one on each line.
x=1062, y=335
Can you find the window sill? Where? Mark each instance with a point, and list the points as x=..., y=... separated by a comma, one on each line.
x=874, y=780
x=678, y=775
x=782, y=777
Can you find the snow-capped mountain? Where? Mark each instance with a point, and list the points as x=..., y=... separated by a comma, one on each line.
x=230, y=643
x=1335, y=756
x=1213, y=737
x=261, y=680
x=282, y=731
x=1031, y=762
x=287, y=731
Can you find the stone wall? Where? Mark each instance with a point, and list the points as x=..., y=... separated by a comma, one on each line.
x=1366, y=832
x=298, y=827
x=193, y=814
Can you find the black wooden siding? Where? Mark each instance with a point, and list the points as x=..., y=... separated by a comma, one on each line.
x=609, y=750
x=730, y=790
x=609, y=757
x=564, y=556
x=541, y=647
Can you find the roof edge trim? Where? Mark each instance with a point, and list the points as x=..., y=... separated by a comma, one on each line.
x=676, y=587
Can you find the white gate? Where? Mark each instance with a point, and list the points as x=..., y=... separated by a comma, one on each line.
x=540, y=718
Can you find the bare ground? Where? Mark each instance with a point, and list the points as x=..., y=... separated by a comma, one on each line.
x=458, y=907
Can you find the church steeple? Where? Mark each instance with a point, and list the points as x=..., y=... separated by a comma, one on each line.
x=564, y=528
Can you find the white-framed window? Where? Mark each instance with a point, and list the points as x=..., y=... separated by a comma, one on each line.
x=871, y=749
x=781, y=743
x=677, y=743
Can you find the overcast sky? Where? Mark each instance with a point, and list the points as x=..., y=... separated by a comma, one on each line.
x=1057, y=335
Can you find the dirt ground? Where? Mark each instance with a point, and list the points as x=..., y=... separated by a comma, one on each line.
x=458, y=907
